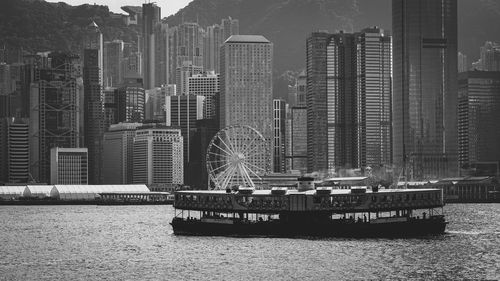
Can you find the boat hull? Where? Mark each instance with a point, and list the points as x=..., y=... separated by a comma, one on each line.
x=411, y=228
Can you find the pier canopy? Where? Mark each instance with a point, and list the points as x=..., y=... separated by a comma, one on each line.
x=40, y=191
x=8, y=192
x=91, y=192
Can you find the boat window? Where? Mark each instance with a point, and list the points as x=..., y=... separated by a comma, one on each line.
x=195, y=198
x=316, y=199
x=384, y=199
x=400, y=198
x=374, y=198
x=407, y=197
x=414, y=197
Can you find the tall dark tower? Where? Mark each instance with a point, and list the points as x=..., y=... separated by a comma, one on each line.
x=93, y=100
x=151, y=15
x=425, y=87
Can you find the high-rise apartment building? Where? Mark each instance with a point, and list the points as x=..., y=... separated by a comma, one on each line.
x=14, y=150
x=113, y=59
x=463, y=65
x=230, y=27
x=158, y=155
x=118, y=153
x=55, y=111
x=478, y=118
x=151, y=16
x=425, y=87
x=489, y=57
x=206, y=85
x=246, y=96
x=214, y=37
x=186, y=52
x=68, y=165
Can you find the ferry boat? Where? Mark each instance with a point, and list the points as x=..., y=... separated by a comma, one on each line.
x=309, y=211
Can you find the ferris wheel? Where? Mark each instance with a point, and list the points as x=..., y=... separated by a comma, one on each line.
x=237, y=155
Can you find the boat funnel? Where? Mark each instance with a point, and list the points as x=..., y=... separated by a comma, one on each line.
x=305, y=183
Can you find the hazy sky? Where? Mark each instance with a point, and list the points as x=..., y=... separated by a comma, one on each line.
x=168, y=7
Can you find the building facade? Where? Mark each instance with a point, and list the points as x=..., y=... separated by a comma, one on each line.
x=186, y=52
x=118, y=153
x=206, y=85
x=158, y=155
x=279, y=139
x=183, y=112
x=112, y=65
x=68, y=165
x=425, y=88
x=14, y=150
x=56, y=113
x=151, y=16
x=93, y=99
x=478, y=118
x=246, y=96
x=348, y=100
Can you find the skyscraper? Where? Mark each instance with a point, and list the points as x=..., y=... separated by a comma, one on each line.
x=161, y=62
x=119, y=153
x=93, y=100
x=151, y=15
x=246, y=96
x=14, y=150
x=158, y=157
x=214, y=37
x=374, y=97
x=183, y=112
x=279, y=128
x=125, y=104
x=207, y=85
x=298, y=126
x=186, y=53
x=463, y=65
x=425, y=87
x=348, y=100
x=55, y=111
x=489, y=57
x=316, y=71
x=478, y=118
x=113, y=59
x=230, y=27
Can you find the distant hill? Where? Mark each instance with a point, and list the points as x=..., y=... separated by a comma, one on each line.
x=39, y=25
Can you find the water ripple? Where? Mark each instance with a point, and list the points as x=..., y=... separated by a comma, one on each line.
x=137, y=243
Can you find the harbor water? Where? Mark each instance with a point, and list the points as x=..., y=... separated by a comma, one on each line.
x=137, y=243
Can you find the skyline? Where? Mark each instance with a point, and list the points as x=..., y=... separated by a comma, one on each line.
x=348, y=104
